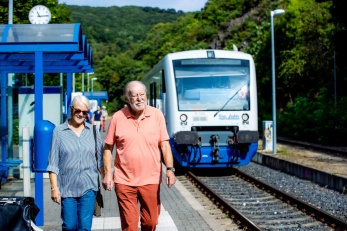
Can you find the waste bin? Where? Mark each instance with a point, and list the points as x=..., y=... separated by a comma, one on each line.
x=43, y=132
x=268, y=135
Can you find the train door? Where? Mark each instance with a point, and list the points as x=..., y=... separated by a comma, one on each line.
x=157, y=92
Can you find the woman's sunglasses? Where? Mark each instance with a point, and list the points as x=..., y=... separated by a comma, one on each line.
x=78, y=111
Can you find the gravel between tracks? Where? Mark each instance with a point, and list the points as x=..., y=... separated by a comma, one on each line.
x=328, y=200
x=321, y=197
x=325, y=199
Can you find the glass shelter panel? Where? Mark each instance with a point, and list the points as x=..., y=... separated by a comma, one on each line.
x=212, y=84
x=24, y=33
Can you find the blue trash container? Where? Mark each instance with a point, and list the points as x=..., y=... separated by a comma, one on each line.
x=43, y=132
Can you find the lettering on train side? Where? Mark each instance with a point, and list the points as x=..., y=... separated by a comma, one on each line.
x=229, y=117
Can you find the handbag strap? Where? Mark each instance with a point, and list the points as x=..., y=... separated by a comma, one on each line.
x=96, y=147
x=96, y=153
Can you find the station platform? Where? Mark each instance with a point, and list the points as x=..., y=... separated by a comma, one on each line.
x=180, y=210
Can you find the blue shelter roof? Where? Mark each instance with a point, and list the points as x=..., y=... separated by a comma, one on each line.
x=40, y=48
x=98, y=95
x=64, y=48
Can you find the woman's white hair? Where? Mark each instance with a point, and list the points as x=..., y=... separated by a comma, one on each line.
x=81, y=99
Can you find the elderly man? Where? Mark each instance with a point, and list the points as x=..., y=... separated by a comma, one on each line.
x=140, y=135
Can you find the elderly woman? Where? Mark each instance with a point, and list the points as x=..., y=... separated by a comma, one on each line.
x=73, y=169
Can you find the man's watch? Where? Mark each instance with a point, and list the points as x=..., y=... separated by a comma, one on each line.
x=171, y=169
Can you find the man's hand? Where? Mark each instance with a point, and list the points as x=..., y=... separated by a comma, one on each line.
x=170, y=178
x=107, y=182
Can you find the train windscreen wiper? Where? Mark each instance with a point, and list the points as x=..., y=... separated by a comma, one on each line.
x=230, y=99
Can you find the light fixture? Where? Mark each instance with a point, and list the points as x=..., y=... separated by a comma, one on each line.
x=272, y=14
x=245, y=117
x=183, y=117
x=89, y=73
x=93, y=79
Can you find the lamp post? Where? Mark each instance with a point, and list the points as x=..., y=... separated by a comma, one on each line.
x=93, y=79
x=83, y=83
x=91, y=73
x=274, y=136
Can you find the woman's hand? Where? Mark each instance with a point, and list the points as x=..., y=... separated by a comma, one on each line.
x=55, y=194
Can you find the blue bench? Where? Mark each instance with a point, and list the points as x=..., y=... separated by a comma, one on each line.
x=5, y=166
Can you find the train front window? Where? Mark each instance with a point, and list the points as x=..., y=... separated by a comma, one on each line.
x=212, y=84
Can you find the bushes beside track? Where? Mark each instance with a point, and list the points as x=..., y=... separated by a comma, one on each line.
x=319, y=120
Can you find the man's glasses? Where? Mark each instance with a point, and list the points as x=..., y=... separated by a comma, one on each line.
x=78, y=111
x=138, y=95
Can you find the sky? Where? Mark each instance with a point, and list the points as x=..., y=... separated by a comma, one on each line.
x=184, y=5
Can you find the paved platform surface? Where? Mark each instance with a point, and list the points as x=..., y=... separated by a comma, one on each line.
x=180, y=210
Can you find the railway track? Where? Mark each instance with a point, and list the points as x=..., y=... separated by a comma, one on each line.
x=254, y=205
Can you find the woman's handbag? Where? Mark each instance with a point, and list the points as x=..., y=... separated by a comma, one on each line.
x=99, y=203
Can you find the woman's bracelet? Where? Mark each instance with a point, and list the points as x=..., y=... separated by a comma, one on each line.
x=54, y=189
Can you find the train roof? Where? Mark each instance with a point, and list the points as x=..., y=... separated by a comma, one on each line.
x=196, y=54
x=206, y=53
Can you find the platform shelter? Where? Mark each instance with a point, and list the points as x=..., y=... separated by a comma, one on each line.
x=39, y=49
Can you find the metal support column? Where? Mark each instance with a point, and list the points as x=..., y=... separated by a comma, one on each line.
x=38, y=117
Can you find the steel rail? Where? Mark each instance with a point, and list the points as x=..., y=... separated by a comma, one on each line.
x=319, y=215
x=240, y=219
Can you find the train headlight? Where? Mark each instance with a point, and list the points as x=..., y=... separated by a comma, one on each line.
x=245, y=117
x=183, y=117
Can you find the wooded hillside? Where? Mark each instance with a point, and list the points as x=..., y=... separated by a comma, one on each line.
x=311, y=70
x=309, y=47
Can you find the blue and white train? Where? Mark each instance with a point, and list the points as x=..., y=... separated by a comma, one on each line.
x=209, y=100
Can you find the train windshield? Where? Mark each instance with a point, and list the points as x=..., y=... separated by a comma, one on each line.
x=212, y=84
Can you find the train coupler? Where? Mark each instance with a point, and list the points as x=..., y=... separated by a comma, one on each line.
x=215, y=153
x=215, y=157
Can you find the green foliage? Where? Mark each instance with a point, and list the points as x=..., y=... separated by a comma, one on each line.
x=183, y=34
x=307, y=54
x=303, y=54
x=112, y=68
x=15, y=128
x=316, y=120
x=119, y=27
x=128, y=41
x=220, y=12
x=115, y=33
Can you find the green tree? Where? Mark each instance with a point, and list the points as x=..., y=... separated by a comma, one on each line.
x=340, y=37
x=307, y=54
